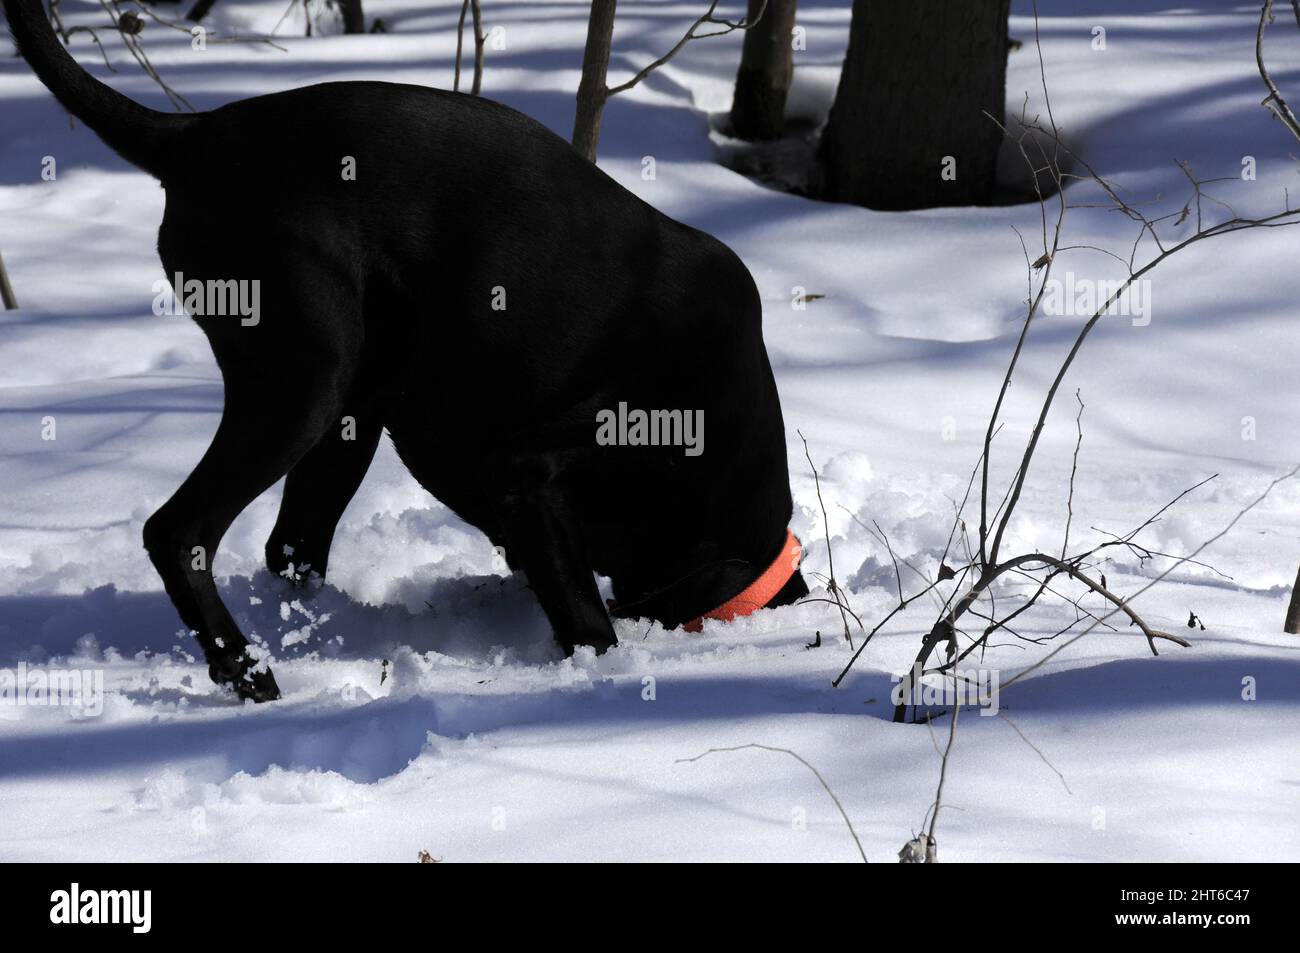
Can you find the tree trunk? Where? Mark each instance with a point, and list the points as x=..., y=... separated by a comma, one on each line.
x=354, y=20
x=1293, y=610
x=200, y=10
x=908, y=128
x=592, y=91
x=6, y=290
x=480, y=40
x=766, y=66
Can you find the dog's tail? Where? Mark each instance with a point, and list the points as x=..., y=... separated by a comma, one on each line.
x=139, y=135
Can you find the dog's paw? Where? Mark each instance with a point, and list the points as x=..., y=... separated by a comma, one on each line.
x=242, y=677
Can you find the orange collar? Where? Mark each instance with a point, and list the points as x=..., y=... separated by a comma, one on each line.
x=761, y=591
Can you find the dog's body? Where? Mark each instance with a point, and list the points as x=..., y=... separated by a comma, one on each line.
x=482, y=292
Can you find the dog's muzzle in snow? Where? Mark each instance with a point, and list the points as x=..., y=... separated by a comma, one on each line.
x=761, y=591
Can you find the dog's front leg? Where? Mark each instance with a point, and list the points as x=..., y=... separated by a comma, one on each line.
x=543, y=537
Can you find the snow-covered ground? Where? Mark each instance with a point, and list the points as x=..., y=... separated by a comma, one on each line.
x=481, y=743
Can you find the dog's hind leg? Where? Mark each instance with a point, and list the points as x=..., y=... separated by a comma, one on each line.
x=285, y=387
x=319, y=488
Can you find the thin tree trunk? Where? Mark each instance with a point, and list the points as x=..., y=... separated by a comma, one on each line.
x=6, y=290
x=354, y=20
x=908, y=128
x=592, y=91
x=766, y=67
x=200, y=10
x=460, y=45
x=1293, y=610
x=480, y=40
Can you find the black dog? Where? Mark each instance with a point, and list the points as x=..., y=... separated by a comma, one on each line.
x=448, y=269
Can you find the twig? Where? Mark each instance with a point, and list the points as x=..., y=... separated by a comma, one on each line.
x=1120, y=603
x=1274, y=101
x=133, y=46
x=593, y=89
x=1074, y=469
x=1036, y=750
x=834, y=585
x=1209, y=542
x=817, y=774
x=932, y=847
x=705, y=18
x=212, y=36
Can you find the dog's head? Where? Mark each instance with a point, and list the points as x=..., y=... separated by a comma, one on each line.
x=712, y=584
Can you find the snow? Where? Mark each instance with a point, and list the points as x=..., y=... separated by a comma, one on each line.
x=426, y=706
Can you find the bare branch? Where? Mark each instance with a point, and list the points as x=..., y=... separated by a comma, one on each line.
x=932, y=846
x=1074, y=469
x=833, y=584
x=706, y=18
x=1199, y=549
x=817, y=774
x=1274, y=101
x=1036, y=750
